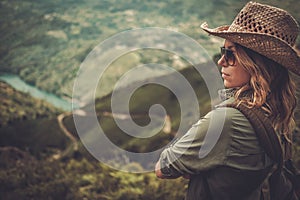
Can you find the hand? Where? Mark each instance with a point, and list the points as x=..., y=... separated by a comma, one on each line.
x=158, y=171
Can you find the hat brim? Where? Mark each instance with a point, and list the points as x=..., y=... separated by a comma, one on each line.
x=267, y=45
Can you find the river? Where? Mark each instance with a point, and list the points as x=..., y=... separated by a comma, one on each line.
x=16, y=82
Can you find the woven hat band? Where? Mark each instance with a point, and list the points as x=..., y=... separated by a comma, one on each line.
x=267, y=20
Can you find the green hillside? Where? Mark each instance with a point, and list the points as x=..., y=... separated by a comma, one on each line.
x=78, y=174
x=44, y=42
x=143, y=99
x=19, y=106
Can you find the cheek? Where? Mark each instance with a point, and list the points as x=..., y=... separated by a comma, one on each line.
x=242, y=77
x=237, y=78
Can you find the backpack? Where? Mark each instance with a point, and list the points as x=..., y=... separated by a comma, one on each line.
x=283, y=182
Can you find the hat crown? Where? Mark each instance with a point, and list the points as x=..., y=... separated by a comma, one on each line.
x=267, y=20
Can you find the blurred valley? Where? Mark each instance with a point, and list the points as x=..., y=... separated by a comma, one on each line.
x=44, y=43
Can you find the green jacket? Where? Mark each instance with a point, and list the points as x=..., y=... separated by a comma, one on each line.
x=233, y=169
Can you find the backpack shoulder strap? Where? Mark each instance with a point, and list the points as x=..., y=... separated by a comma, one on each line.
x=264, y=130
x=279, y=185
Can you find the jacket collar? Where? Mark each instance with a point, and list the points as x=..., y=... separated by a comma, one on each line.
x=225, y=94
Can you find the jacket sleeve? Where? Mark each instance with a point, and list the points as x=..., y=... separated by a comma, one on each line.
x=224, y=137
x=203, y=147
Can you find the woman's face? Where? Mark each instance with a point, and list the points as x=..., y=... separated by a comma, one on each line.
x=233, y=74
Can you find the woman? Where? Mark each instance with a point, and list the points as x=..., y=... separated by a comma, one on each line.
x=256, y=56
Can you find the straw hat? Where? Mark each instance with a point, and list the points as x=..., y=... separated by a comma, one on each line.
x=267, y=30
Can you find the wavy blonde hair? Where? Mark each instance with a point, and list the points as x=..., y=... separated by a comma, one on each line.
x=270, y=87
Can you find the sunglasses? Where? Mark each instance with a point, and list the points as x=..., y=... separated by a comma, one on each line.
x=228, y=55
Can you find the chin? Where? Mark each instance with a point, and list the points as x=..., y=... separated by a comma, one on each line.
x=229, y=85
x=226, y=85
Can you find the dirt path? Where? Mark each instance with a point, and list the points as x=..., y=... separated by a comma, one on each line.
x=74, y=145
x=167, y=125
x=60, y=118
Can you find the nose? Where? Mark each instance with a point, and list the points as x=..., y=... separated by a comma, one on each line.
x=222, y=62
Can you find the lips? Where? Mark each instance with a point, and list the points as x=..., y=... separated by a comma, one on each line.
x=224, y=75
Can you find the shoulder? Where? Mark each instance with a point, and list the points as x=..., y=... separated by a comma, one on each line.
x=233, y=122
x=228, y=121
x=231, y=114
x=228, y=115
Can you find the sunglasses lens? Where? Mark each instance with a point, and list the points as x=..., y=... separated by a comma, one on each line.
x=228, y=55
x=222, y=51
